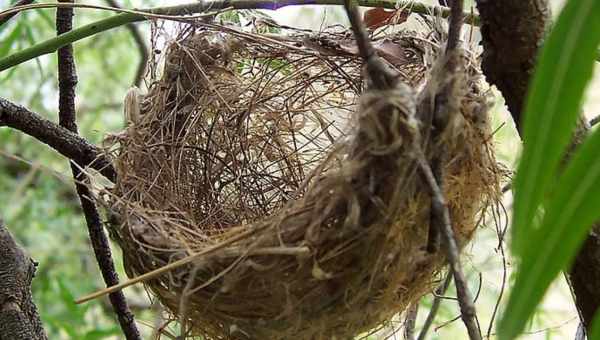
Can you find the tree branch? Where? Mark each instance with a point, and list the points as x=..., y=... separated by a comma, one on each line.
x=60, y=139
x=435, y=306
x=5, y=18
x=410, y=320
x=19, y=318
x=585, y=278
x=67, y=81
x=502, y=24
x=440, y=209
x=383, y=79
x=512, y=31
x=51, y=45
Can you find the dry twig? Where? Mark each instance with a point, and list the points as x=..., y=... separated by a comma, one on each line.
x=435, y=306
x=384, y=80
x=67, y=80
x=410, y=321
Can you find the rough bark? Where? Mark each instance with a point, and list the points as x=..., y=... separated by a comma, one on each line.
x=67, y=82
x=19, y=318
x=585, y=278
x=512, y=32
x=60, y=139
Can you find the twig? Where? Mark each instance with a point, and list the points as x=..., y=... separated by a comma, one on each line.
x=455, y=25
x=67, y=80
x=446, y=323
x=382, y=78
x=380, y=75
x=410, y=321
x=595, y=120
x=435, y=306
x=500, y=233
x=5, y=18
x=51, y=45
x=169, y=267
x=441, y=111
x=452, y=253
x=57, y=137
x=141, y=44
x=434, y=177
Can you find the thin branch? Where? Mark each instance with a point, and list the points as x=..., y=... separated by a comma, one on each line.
x=434, y=176
x=500, y=232
x=455, y=26
x=435, y=306
x=440, y=112
x=51, y=45
x=67, y=81
x=381, y=76
x=506, y=64
x=595, y=121
x=169, y=267
x=440, y=209
x=141, y=44
x=410, y=321
x=5, y=18
x=57, y=137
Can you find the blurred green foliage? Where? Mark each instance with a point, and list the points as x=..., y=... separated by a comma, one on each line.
x=37, y=199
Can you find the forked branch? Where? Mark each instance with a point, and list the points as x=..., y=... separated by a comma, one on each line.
x=67, y=81
x=57, y=137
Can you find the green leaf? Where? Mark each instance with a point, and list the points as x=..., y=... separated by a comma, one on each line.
x=68, y=300
x=31, y=39
x=569, y=214
x=7, y=43
x=97, y=334
x=595, y=332
x=553, y=106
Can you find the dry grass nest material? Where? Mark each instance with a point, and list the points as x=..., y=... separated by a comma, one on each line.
x=266, y=139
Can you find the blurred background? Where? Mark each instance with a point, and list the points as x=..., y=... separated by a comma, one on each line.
x=40, y=208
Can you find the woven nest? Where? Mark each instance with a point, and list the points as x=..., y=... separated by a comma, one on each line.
x=303, y=194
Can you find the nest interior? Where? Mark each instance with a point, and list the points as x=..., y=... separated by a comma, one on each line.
x=270, y=150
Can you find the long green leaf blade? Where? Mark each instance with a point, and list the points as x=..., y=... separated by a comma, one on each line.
x=7, y=43
x=553, y=105
x=595, y=333
x=572, y=210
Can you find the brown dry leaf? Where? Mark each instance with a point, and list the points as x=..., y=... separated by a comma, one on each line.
x=391, y=51
x=379, y=17
x=387, y=49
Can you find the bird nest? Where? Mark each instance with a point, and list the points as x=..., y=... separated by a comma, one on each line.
x=299, y=189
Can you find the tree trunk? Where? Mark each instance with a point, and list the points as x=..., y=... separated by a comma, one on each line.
x=512, y=32
x=19, y=318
